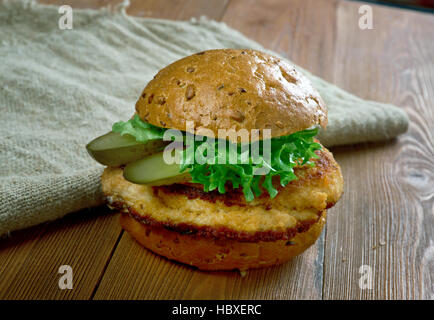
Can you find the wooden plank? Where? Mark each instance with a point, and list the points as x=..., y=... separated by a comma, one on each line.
x=134, y=273
x=30, y=259
x=385, y=219
x=301, y=30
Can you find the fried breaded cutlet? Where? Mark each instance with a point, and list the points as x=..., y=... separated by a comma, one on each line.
x=216, y=231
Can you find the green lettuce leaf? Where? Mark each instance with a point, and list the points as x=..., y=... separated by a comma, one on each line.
x=287, y=152
x=139, y=129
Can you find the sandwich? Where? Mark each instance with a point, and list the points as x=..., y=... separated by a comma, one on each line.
x=219, y=167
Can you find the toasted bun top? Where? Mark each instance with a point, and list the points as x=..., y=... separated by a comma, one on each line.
x=232, y=89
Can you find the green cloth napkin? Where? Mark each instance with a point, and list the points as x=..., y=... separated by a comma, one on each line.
x=61, y=88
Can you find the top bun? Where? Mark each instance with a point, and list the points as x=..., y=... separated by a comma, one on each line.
x=232, y=89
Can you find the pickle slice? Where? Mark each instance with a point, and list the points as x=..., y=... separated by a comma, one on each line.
x=153, y=170
x=114, y=149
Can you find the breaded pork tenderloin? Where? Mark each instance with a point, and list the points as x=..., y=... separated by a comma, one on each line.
x=222, y=231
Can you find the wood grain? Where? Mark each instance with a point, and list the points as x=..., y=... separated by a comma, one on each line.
x=30, y=259
x=301, y=30
x=384, y=220
x=135, y=273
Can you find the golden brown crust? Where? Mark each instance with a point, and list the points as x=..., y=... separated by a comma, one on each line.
x=214, y=235
x=300, y=201
x=219, y=232
x=217, y=254
x=232, y=89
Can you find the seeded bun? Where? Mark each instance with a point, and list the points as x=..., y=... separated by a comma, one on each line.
x=232, y=89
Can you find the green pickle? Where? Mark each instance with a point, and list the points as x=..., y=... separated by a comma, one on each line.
x=113, y=149
x=153, y=170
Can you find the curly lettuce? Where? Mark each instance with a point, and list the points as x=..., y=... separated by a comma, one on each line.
x=287, y=152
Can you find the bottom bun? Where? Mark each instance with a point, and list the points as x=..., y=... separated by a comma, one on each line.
x=219, y=254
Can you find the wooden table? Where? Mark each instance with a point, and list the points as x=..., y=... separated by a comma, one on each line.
x=384, y=220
